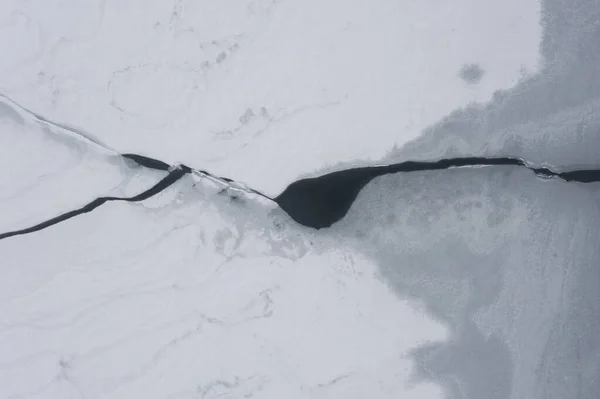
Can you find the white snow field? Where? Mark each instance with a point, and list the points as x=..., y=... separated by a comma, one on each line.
x=245, y=87
x=465, y=283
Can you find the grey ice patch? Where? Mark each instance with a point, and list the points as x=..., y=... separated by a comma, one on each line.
x=221, y=57
x=248, y=115
x=471, y=73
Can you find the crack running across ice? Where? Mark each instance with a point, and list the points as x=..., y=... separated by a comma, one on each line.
x=315, y=202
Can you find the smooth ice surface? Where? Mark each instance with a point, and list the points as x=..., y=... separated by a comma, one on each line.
x=245, y=87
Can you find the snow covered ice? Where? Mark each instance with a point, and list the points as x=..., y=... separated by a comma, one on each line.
x=192, y=295
x=316, y=82
x=466, y=283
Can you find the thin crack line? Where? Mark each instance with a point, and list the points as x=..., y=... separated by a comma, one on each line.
x=139, y=159
x=582, y=176
x=88, y=137
x=167, y=181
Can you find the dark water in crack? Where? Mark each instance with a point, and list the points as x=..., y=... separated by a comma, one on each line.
x=509, y=261
x=321, y=201
x=315, y=202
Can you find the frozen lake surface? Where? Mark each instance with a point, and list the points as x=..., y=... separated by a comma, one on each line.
x=464, y=283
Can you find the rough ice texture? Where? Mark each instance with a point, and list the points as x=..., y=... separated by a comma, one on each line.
x=508, y=261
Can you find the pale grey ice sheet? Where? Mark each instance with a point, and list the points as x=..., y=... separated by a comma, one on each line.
x=510, y=261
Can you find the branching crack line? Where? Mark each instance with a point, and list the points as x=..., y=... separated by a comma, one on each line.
x=167, y=181
x=315, y=202
x=321, y=201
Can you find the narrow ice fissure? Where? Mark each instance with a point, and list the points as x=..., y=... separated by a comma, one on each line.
x=315, y=202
